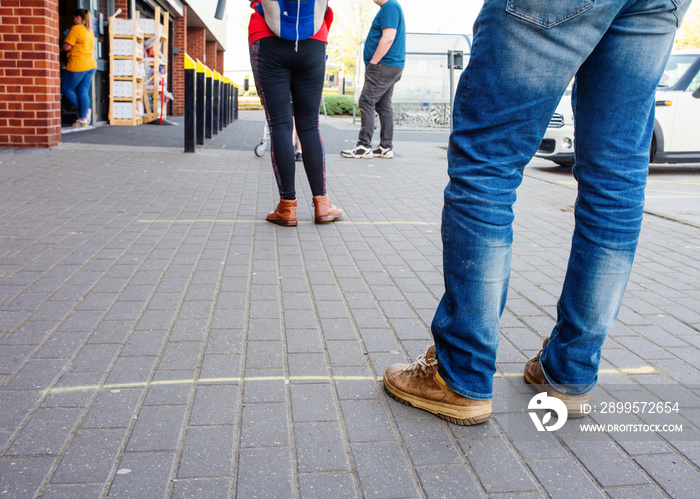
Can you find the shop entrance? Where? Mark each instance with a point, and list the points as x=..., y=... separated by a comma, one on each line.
x=100, y=11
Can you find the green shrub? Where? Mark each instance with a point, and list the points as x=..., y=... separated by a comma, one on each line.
x=338, y=104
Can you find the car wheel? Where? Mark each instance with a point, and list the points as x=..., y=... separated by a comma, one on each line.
x=652, y=149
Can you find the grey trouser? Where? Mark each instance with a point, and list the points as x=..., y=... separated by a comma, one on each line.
x=376, y=95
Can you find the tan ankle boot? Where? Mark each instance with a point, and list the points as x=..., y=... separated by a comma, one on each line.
x=285, y=214
x=325, y=211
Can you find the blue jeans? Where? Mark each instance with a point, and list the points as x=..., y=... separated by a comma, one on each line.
x=524, y=54
x=76, y=88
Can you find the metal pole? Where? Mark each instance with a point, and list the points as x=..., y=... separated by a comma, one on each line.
x=216, y=90
x=200, y=102
x=209, y=97
x=190, y=119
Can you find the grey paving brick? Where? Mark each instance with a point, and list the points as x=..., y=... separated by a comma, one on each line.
x=36, y=374
x=142, y=475
x=20, y=477
x=208, y=452
x=357, y=389
x=95, y=358
x=264, y=391
x=132, y=370
x=366, y=421
x=307, y=364
x=180, y=355
x=264, y=473
x=189, y=330
x=12, y=358
x=170, y=388
x=560, y=477
x=110, y=332
x=72, y=491
x=313, y=403
x=320, y=448
x=184, y=489
x=649, y=492
x=224, y=341
x=264, y=425
x=375, y=462
x=328, y=486
x=157, y=429
x=303, y=341
x=264, y=355
x=90, y=457
x=215, y=405
x=264, y=329
x=338, y=329
x=496, y=466
x=379, y=340
x=45, y=432
x=113, y=408
x=62, y=345
x=608, y=465
x=411, y=329
x=448, y=481
x=346, y=353
x=300, y=319
x=428, y=442
x=73, y=390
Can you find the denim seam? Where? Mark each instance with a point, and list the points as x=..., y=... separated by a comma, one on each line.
x=522, y=15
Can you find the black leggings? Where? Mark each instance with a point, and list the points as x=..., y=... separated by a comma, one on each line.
x=279, y=72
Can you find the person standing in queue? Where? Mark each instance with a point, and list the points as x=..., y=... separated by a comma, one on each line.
x=80, y=69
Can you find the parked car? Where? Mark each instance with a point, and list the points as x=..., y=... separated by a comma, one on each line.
x=676, y=136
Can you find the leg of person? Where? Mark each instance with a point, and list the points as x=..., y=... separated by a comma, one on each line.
x=519, y=68
x=68, y=84
x=307, y=92
x=271, y=62
x=83, y=92
x=612, y=158
x=375, y=85
x=386, y=115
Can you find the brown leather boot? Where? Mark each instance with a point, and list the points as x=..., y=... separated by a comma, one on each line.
x=285, y=214
x=420, y=385
x=325, y=211
x=534, y=375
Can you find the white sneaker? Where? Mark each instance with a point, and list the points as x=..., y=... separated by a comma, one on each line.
x=360, y=152
x=382, y=152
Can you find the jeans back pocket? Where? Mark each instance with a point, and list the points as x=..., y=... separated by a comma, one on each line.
x=547, y=13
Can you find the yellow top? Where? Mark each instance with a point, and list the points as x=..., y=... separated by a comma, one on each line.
x=189, y=63
x=80, y=57
x=217, y=76
x=200, y=67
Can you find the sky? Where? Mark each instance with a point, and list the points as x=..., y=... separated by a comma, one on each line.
x=452, y=16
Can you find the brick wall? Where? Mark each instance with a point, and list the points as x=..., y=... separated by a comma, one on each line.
x=196, y=43
x=30, y=85
x=180, y=42
x=220, y=61
x=124, y=5
x=211, y=56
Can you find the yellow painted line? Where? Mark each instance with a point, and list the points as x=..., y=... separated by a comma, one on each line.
x=286, y=379
x=231, y=171
x=229, y=221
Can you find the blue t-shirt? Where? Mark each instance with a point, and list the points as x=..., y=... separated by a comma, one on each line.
x=390, y=15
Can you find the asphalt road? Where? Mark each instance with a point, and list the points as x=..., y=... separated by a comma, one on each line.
x=673, y=191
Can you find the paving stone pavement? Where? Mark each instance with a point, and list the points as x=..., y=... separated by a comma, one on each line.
x=158, y=338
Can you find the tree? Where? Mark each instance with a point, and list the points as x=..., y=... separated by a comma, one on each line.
x=688, y=36
x=352, y=20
